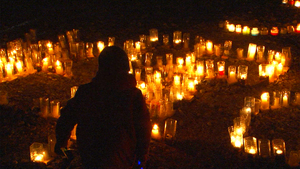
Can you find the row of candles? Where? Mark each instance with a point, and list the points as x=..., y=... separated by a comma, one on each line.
x=295, y=3
x=255, y=31
x=253, y=146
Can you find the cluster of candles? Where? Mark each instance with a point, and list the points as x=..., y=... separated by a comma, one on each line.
x=262, y=147
x=43, y=153
x=295, y=3
x=255, y=31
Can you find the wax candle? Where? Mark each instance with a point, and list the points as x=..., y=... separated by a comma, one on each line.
x=274, y=31
x=191, y=85
x=58, y=67
x=254, y=31
x=240, y=53
x=298, y=28
x=111, y=41
x=231, y=74
x=100, y=46
x=238, y=28
x=271, y=73
x=9, y=70
x=153, y=35
x=200, y=68
x=177, y=37
x=221, y=68
x=138, y=46
x=45, y=64
x=19, y=66
x=251, y=51
x=276, y=103
x=231, y=27
x=157, y=78
x=155, y=133
x=250, y=145
x=246, y=30
x=210, y=72
x=285, y=98
x=265, y=102
x=209, y=47
x=177, y=80
x=188, y=61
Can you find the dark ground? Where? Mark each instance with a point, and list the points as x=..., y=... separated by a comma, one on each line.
x=202, y=139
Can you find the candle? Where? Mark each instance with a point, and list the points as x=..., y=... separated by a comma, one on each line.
x=274, y=31
x=177, y=80
x=271, y=73
x=155, y=133
x=179, y=96
x=298, y=28
x=111, y=41
x=217, y=49
x=138, y=46
x=278, y=146
x=191, y=85
x=45, y=64
x=19, y=66
x=157, y=78
x=9, y=70
x=153, y=35
x=231, y=27
x=231, y=74
x=242, y=72
x=210, y=72
x=276, y=103
x=250, y=145
x=246, y=30
x=100, y=46
x=254, y=31
x=238, y=29
x=58, y=67
x=177, y=37
x=240, y=53
x=221, y=68
x=55, y=109
x=285, y=99
x=209, y=47
x=188, y=61
x=265, y=101
x=251, y=52
x=200, y=68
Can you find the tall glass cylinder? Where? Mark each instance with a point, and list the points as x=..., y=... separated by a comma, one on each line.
x=210, y=70
x=250, y=145
x=285, y=99
x=177, y=37
x=265, y=101
x=170, y=129
x=264, y=148
x=221, y=68
x=260, y=53
x=278, y=146
x=153, y=35
x=242, y=72
x=251, y=51
x=186, y=40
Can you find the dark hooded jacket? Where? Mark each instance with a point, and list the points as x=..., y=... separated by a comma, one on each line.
x=113, y=121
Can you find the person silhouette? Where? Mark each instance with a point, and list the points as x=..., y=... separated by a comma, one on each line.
x=113, y=122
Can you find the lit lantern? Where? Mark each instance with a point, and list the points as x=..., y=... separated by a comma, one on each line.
x=285, y=98
x=155, y=133
x=246, y=30
x=100, y=46
x=290, y=29
x=274, y=31
x=250, y=145
x=19, y=66
x=38, y=152
x=262, y=70
x=242, y=72
x=238, y=28
x=58, y=68
x=298, y=28
x=73, y=91
x=142, y=86
x=170, y=129
x=138, y=46
x=200, y=68
x=177, y=37
x=278, y=146
x=251, y=51
x=297, y=3
x=235, y=138
x=271, y=54
x=209, y=47
x=210, y=71
x=231, y=74
x=231, y=27
x=111, y=41
x=254, y=31
x=177, y=80
x=137, y=73
x=265, y=101
x=153, y=35
x=221, y=68
x=179, y=95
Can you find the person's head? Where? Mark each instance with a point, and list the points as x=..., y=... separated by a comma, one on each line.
x=113, y=60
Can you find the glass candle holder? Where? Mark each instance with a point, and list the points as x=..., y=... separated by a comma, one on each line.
x=68, y=64
x=200, y=68
x=209, y=47
x=265, y=101
x=155, y=133
x=240, y=53
x=236, y=139
x=297, y=98
x=37, y=152
x=239, y=125
x=285, y=99
x=210, y=71
x=169, y=58
x=249, y=101
x=166, y=40
x=242, y=72
x=277, y=95
x=251, y=51
x=218, y=49
x=250, y=145
x=264, y=148
x=254, y=31
x=170, y=129
x=283, y=31
x=271, y=72
x=44, y=107
x=137, y=73
x=274, y=31
x=231, y=74
x=111, y=41
x=177, y=80
x=227, y=47
x=177, y=37
x=221, y=68
x=231, y=27
x=148, y=59
x=55, y=108
x=287, y=56
x=238, y=28
x=278, y=146
x=260, y=53
x=186, y=40
x=290, y=29
x=271, y=54
x=263, y=70
x=89, y=49
x=149, y=74
x=264, y=31
x=257, y=106
x=246, y=30
x=153, y=35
